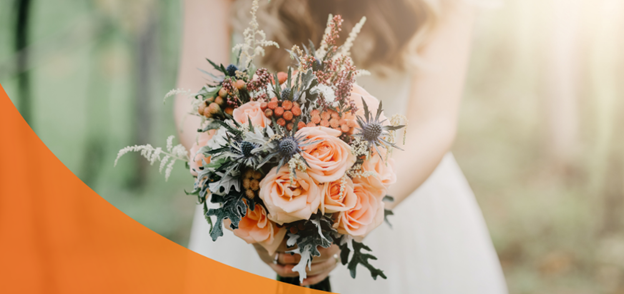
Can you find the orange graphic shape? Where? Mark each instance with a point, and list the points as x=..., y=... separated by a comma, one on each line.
x=59, y=236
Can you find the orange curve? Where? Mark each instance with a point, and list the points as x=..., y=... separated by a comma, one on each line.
x=59, y=236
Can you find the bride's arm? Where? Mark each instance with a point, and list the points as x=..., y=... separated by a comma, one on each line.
x=206, y=33
x=434, y=103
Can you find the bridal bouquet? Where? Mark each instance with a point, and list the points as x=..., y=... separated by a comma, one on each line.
x=301, y=155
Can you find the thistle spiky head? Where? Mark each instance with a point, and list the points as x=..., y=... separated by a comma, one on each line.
x=287, y=147
x=246, y=148
x=371, y=131
x=286, y=94
x=231, y=70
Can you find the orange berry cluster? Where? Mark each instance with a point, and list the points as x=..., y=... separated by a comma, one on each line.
x=284, y=112
x=331, y=119
x=251, y=183
x=214, y=106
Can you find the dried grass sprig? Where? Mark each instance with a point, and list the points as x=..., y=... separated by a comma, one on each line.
x=173, y=154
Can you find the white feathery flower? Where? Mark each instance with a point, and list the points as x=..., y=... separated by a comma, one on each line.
x=327, y=92
x=163, y=162
x=362, y=72
x=170, y=143
x=255, y=39
x=173, y=154
x=322, y=50
x=176, y=92
x=346, y=48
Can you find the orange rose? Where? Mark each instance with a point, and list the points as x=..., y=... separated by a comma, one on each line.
x=382, y=175
x=333, y=200
x=329, y=158
x=288, y=203
x=255, y=227
x=197, y=159
x=357, y=94
x=252, y=111
x=365, y=216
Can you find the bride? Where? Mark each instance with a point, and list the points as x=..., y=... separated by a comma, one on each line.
x=418, y=52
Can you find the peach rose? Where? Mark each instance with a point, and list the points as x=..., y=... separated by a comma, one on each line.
x=329, y=158
x=197, y=160
x=255, y=227
x=365, y=216
x=332, y=200
x=357, y=94
x=252, y=111
x=288, y=203
x=382, y=175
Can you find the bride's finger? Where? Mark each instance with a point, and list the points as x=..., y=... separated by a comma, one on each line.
x=321, y=267
x=314, y=279
x=284, y=270
x=287, y=258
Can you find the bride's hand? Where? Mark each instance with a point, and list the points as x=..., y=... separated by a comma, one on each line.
x=283, y=264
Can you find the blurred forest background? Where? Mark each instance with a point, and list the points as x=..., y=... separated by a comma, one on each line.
x=538, y=136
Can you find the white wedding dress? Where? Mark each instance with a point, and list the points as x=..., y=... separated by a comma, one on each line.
x=439, y=243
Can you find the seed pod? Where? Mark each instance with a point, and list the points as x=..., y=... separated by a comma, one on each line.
x=315, y=112
x=281, y=122
x=334, y=123
x=264, y=106
x=316, y=119
x=250, y=194
x=248, y=174
x=214, y=108
x=296, y=111
x=210, y=99
x=301, y=125
x=207, y=112
x=268, y=113
x=278, y=111
x=287, y=104
x=219, y=101
x=282, y=77
x=254, y=185
x=229, y=110
x=257, y=175
x=296, y=104
x=246, y=183
x=326, y=115
x=293, y=230
x=335, y=115
x=287, y=115
x=325, y=123
x=223, y=93
x=351, y=123
x=272, y=104
x=311, y=125
x=290, y=126
x=240, y=84
x=201, y=108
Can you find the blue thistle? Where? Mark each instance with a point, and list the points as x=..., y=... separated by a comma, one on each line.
x=231, y=70
x=372, y=129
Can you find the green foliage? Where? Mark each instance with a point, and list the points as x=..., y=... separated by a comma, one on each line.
x=233, y=207
x=358, y=257
x=317, y=231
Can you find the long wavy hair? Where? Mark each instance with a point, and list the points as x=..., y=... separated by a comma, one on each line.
x=391, y=39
